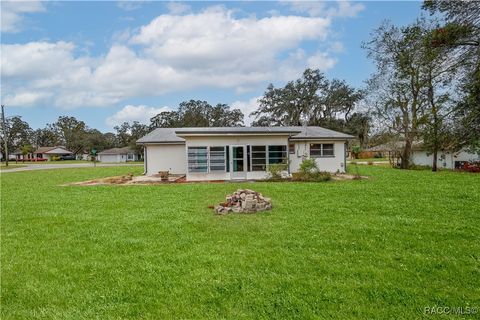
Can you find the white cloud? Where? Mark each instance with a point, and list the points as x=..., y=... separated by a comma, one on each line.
x=341, y=8
x=209, y=49
x=176, y=8
x=25, y=99
x=12, y=13
x=247, y=107
x=132, y=113
x=321, y=60
x=130, y=5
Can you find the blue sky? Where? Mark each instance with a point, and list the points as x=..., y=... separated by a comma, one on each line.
x=109, y=62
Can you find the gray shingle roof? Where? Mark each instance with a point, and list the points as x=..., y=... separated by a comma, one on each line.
x=124, y=150
x=172, y=135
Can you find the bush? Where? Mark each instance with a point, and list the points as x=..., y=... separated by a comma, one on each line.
x=309, y=172
x=318, y=176
x=275, y=171
x=308, y=166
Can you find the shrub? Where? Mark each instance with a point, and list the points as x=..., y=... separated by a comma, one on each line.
x=318, y=176
x=308, y=166
x=275, y=171
x=309, y=172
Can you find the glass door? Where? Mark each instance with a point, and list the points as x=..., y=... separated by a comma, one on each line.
x=238, y=168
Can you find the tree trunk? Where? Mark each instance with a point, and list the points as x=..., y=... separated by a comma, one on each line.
x=435, y=156
x=407, y=150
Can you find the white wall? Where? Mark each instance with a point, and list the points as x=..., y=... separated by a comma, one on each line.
x=173, y=158
x=109, y=158
x=230, y=141
x=165, y=157
x=444, y=159
x=330, y=164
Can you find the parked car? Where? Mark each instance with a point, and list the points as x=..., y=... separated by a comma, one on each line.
x=35, y=159
x=67, y=157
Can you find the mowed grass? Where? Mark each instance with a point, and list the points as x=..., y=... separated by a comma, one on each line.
x=382, y=248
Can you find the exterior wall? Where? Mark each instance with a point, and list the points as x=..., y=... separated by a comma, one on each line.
x=445, y=159
x=110, y=158
x=218, y=141
x=173, y=157
x=330, y=164
x=165, y=157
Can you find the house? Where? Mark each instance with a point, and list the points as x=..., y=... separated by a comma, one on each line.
x=445, y=158
x=118, y=155
x=240, y=152
x=46, y=153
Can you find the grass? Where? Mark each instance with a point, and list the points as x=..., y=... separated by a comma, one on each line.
x=382, y=248
x=10, y=166
x=368, y=160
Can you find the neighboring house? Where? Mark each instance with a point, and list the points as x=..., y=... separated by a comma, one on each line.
x=118, y=155
x=445, y=159
x=240, y=152
x=43, y=153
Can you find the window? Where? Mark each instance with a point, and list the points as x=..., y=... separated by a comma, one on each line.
x=197, y=159
x=291, y=148
x=259, y=158
x=277, y=154
x=217, y=159
x=321, y=150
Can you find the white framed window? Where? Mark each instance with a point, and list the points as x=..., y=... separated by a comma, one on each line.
x=277, y=154
x=318, y=150
x=197, y=159
x=217, y=159
x=259, y=158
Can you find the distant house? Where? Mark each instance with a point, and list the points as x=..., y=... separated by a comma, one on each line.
x=118, y=155
x=43, y=153
x=445, y=158
x=240, y=152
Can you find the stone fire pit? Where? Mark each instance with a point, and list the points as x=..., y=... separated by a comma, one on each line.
x=244, y=201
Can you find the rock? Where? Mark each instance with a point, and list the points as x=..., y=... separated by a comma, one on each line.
x=243, y=201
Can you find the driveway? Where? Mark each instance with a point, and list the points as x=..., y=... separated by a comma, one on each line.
x=67, y=165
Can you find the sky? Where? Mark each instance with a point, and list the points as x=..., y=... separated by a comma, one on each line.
x=106, y=62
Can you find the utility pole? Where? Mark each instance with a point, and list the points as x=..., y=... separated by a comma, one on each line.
x=4, y=127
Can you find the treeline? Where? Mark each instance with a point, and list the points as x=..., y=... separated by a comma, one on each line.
x=310, y=100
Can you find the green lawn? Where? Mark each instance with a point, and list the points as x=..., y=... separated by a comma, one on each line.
x=369, y=160
x=382, y=248
x=10, y=166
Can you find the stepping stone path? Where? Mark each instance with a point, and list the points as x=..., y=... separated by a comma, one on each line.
x=244, y=201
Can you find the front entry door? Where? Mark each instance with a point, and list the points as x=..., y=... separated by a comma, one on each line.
x=238, y=162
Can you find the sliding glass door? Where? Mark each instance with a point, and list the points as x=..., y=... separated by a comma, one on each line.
x=238, y=162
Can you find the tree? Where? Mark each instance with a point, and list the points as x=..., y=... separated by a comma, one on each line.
x=122, y=134
x=312, y=100
x=71, y=132
x=197, y=113
x=297, y=103
x=45, y=137
x=19, y=133
x=396, y=88
x=26, y=149
x=459, y=37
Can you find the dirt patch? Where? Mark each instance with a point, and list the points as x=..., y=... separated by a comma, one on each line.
x=345, y=176
x=128, y=179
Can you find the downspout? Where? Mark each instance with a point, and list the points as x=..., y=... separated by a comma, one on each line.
x=144, y=160
x=288, y=153
x=345, y=156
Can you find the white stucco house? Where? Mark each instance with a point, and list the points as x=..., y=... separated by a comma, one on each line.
x=124, y=154
x=445, y=159
x=240, y=152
